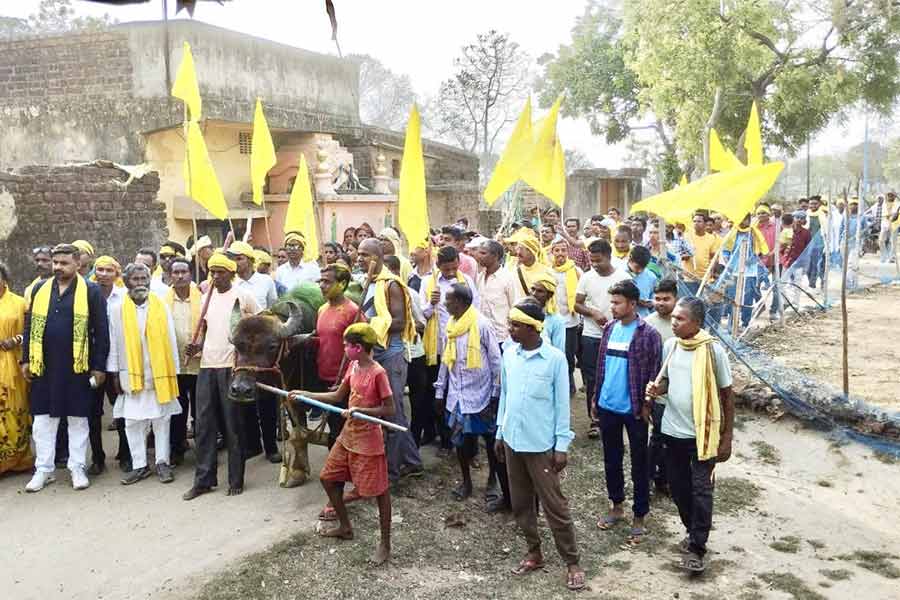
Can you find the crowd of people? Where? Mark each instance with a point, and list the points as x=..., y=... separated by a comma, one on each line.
x=485, y=331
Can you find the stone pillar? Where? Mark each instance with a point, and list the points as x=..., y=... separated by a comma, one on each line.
x=382, y=183
x=322, y=176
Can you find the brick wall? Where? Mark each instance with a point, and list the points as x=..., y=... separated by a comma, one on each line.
x=48, y=205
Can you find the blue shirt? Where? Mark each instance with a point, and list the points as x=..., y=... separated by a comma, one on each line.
x=533, y=414
x=645, y=282
x=555, y=331
x=615, y=395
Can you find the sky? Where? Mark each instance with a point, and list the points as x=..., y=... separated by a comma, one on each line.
x=421, y=38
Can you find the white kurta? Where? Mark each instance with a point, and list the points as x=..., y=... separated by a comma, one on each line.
x=142, y=404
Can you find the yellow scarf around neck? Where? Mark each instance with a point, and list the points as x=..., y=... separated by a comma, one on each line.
x=707, y=411
x=162, y=361
x=196, y=299
x=467, y=323
x=382, y=320
x=39, y=311
x=430, y=337
x=759, y=245
x=569, y=269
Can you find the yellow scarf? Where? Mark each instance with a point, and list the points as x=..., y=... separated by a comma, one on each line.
x=27, y=294
x=382, y=320
x=39, y=310
x=196, y=299
x=467, y=323
x=622, y=255
x=430, y=338
x=569, y=269
x=758, y=240
x=530, y=274
x=707, y=412
x=162, y=361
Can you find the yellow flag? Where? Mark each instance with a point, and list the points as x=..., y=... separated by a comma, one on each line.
x=412, y=206
x=683, y=181
x=185, y=86
x=539, y=172
x=200, y=179
x=300, y=216
x=753, y=139
x=557, y=187
x=720, y=157
x=515, y=156
x=262, y=153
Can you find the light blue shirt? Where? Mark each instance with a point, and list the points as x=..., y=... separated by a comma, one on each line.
x=645, y=282
x=533, y=415
x=555, y=331
x=615, y=395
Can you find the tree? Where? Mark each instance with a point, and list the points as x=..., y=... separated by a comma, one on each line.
x=385, y=97
x=803, y=61
x=12, y=28
x=484, y=96
x=576, y=159
x=52, y=17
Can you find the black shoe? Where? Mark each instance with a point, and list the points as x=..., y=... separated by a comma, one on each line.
x=194, y=492
x=164, y=472
x=136, y=475
x=96, y=469
x=274, y=457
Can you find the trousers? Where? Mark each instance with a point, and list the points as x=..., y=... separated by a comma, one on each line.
x=590, y=354
x=136, y=430
x=611, y=427
x=421, y=403
x=655, y=456
x=572, y=335
x=187, y=392
x=530, y=474
x=691, y=486
x=213, y=404
x=44, y=434
x=400, y=447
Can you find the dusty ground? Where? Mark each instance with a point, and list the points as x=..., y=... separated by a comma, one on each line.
x=813, y=345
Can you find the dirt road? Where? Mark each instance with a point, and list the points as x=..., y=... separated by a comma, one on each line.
x=142, y=541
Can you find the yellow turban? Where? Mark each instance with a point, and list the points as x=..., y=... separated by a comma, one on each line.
x=520, y=317
x=390, y=234
x=168, y=251
x=84, y=247
x=221, y=261
x=854, y=200
x=239, y=247
x=296, y=237
x=547, y=280
x=108, y=261
x=364, y=331
x=262, y=257
x=762, y=209
x=527, y=238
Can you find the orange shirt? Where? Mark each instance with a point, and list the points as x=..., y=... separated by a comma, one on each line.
x=367, y=389
x=705, y=247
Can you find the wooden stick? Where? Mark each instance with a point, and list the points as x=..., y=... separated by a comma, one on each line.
x=844, y=334
x=330, y=408
x=228, y=239
x=268, y=231
x=777, y=272
x=739, y=289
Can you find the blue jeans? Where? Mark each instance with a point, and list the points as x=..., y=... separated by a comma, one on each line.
x=611, y=426
x=815, y=269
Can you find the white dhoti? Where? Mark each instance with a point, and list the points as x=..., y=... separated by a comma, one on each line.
x=44, y=433
x=142, y=412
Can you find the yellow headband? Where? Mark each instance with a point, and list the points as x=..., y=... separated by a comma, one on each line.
x=221, y=261
x=108, y=261
x=520, y=317
x=239, y=247
x=546, y=280
x=168, y=251
x=364, y=331
x=532, y=245
x=763, y=210
x=84, y=247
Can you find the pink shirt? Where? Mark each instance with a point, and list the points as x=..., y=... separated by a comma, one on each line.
x=468, y=265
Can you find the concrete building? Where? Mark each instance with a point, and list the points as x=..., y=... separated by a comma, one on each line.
x=81, y=97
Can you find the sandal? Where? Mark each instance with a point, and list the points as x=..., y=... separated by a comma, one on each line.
x=693, y=563
x=634, y=539
x=527, y=565
x=575, y=581
x=594, y=432
x=607, y=522
x=328, y=514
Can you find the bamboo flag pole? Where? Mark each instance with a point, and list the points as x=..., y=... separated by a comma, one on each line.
x=739, y=290
x=268, y=231
x=777, y=272
x=844, y=335
x=187, y=159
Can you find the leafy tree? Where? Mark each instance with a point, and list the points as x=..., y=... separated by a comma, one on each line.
x=385, y=97
x=484, y=95
x=12, y=28
x=52, y=17
x=576, y=159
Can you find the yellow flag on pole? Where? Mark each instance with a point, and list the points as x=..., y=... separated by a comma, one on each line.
x=185, y=86
x=557, y=182
x=200, y=179
x=539, y=172
x=300, y=216
x=720, y=157
x=515, y=156
x=262, y=153
x=753, y=139
x=412, y=205
x=683, y=181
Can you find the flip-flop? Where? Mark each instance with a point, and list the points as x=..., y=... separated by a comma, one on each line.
x=527, y=565
x=575, y=581
x=328, y=514
x=607, y=522
x=634, y=539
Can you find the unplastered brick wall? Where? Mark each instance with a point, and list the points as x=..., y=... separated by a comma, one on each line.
x=46, y=205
